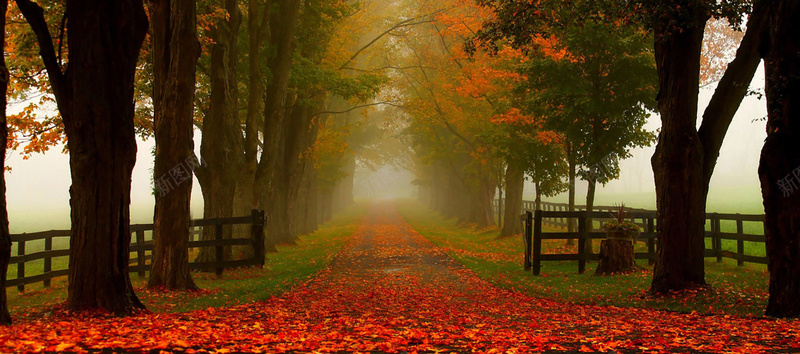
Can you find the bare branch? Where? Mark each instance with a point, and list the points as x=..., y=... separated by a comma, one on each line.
x=382, y=103
x=34, y=14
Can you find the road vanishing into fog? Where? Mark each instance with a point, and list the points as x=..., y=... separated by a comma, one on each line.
x=390, y=290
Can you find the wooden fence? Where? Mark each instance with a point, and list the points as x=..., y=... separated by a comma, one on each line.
x=557, y=219
x=141, y=249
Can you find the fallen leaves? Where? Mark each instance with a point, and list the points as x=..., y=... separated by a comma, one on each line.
x=390, y=290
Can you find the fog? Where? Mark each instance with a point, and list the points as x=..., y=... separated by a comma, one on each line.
x=38, y=188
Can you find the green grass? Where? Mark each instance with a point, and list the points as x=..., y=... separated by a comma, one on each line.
x=291, y=266
x=735, y=290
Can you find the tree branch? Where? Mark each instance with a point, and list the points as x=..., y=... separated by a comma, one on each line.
x=405, y=23
x=34, y=14
x=732, y=88
x=382, y=103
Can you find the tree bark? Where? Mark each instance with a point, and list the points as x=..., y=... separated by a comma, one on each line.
x=175, y=52
x=283, y=24
x=244, y=199
x=779, y=169
x=616, y=256
x=678, y=160
x=590, y=192
x=515, y=183
x=5, y=237
x=571, y=191
x=95, y=99
x=682, y=187
x=222, y=145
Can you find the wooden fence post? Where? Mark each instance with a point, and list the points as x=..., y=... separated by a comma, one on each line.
x=218, y=249
x=536, y=259
x=257, y=234
x=651, y=242
x=140, y=253
x=21, y=265
x=48, y=262
x=582, y=238
x=716, y=239
x=528, y=238
x=740, y=242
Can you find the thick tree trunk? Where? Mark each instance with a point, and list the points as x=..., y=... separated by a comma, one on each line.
x=104, y=40
x=678, y=160
x=175, y=52
x=222, y=145
x=5, y=237
x=95, y=99
x=616, y=256
x=779, y=170
x=515, y=183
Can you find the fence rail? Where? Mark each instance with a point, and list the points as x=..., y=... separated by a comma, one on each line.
x=142, y=248
x=558, y=219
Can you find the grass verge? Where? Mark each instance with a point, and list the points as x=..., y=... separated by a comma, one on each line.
x=734, y=290
x=292, y=265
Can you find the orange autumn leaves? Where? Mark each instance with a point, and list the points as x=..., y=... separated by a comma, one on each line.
x=474, y=92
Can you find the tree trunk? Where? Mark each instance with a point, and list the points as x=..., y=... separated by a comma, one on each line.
x=283, y=24
x=515, y=183
x=538, y=200
x=678, y=160
x=222, y=145
x=5, y=237
x=243, y=200
x=590, y=191
x=282, y=227
x=571, y=192
x=779, y=170
x=95, y=98
x=616, y=256
x=175, y=52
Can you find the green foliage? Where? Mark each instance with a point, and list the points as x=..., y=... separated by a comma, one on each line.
x=597, y=84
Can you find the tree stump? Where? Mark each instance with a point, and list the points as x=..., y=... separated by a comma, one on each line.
x=616, y=256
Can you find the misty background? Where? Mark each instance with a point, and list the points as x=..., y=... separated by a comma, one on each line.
x=38, y=188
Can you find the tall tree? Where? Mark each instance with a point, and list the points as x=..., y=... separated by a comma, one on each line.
x=94, y=95
x=5, y=238
x=221, y=146
x=175, y=50
x=779, y=170
x=283, y=26
x=685, y=156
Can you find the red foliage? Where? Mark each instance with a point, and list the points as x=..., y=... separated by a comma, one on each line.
x=392, y=291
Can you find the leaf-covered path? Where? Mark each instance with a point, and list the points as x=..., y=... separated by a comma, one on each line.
x=390, y=290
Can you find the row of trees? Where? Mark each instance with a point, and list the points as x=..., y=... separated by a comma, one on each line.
x=485, y=113
x=274, y=86
x=565, y=91
x=685, y=155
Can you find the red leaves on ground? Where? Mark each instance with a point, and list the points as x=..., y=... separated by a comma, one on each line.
x=390, y=291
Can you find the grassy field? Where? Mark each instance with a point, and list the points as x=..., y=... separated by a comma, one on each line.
x=734, y=290
x=290, y=266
